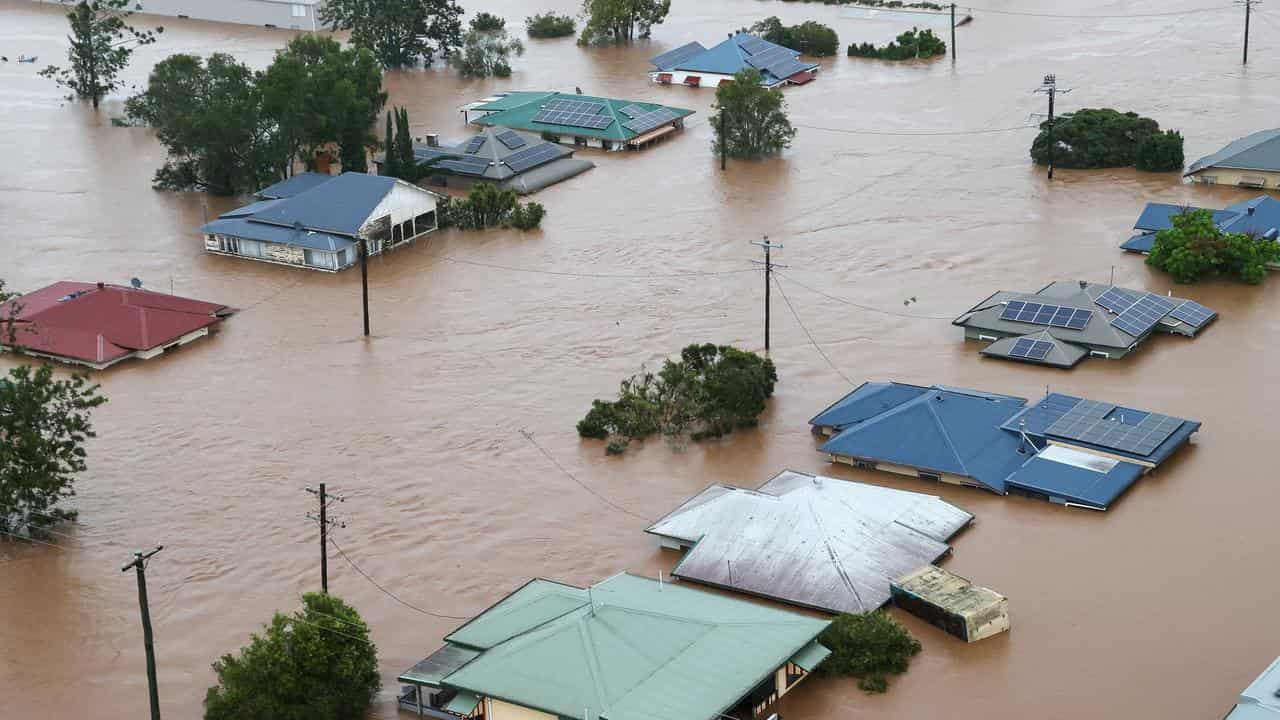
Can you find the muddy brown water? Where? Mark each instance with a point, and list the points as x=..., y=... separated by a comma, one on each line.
x=1163, y=607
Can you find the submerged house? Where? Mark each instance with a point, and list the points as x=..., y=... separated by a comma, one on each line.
x=812, y=541
x=1252, y=161
x=1063, y=449
x=1261, y=700
x=627, y=648
x=952, y=603
x=580, y=120
x=1065, y=322
x=289, y=14
x=98, y=325
x=319, y=221
x=523, y=162
x=697, y=66
x=1259, y=218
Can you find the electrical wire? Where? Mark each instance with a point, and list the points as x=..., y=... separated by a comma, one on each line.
x=1060, y=16
x=815, y=344
x=329, y=629
x=387, y=592
x=607, y=276
x=32, y=540
x=529, y=436
x=868, y=308
x=905, y=133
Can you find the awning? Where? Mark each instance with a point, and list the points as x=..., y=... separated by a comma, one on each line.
x=464, y=703
x=692, y=80
x=810, y=656
x=439, y=665
x=801, y=78
x=664, y=77
x=651, y=135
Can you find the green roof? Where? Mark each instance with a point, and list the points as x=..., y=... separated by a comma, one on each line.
x=810, y=656
x=634, y=649
x=516, y=110
x=532, y=605
x=463, y=703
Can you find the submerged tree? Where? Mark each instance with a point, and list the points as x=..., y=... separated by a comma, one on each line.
x=101, y=44
x=621, y=21
x=1194, y=247
x=810, y=37
x=550, y=25
x=1105, y=138
x=44, y=424
x=400, y=33
x=751, y=120
x=486, y=53
x=316, y=664
x=870, y=646
x=910, y=45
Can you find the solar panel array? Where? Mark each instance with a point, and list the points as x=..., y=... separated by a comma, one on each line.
x=465, y=165
x=633, y=111
x=787, y=69
x=511, y=140
x=672, y=58
x=532, y=157
x=1193, y=314
x=777, y=61
x=754, y=45
x=476, y=143
x=1088, y=422
x=1143, y=314
x=1042, y=314
x=1030, y=349
x=1118, y=300
x=650, y=120
x=575, y=106
x=576, y=119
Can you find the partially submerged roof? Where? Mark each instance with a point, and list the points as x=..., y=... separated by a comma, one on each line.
x=295, y=185
x=630, y=648
x=99, y=324
x=814, y=541
x=738, y=52
x=948, y=591
x=1037, y=347
x=1259, y=151
x=1259, y=217
x=603, y=118
x=1261, y=700
x=866, y=401
x=501, y=155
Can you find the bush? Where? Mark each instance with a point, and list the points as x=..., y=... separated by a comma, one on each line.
x=1105, y=138
x=550, y=25
x=708, y=393
x=910, y=45
x=811, y=38
x=869, y=646
x=1194, y=248
x=528, y=216
x=490, y=206
x=488, y=22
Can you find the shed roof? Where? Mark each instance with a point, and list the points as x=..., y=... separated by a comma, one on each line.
x=948, y=591
x=517, y=110
x=637, y=649
x=1259, y=151
x=813, y=541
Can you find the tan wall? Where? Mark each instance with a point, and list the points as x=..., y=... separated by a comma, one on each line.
x=989, y=622
x=499, y=710
x=1223, y=176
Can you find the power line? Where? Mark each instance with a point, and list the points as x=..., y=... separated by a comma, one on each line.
x=32, y=540
x=387, y=592
x=1060, y=16
x=328, y=629
x=895, y=133
x=529, y=436
x=815, y=344
x=607, y=276
x=868, y=308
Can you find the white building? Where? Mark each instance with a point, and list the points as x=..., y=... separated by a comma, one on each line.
x=288, y=14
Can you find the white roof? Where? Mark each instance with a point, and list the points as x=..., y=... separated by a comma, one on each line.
x=1261, y=700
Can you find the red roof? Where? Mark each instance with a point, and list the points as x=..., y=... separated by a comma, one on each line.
x=801, y=78
x=100, y=324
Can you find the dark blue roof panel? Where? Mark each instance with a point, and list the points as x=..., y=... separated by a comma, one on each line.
x=1040, y=416
x=245, y=228
x=868, y=400
x=294, y=186
x=341, y=205
x=1064, y=482
x=728, y=57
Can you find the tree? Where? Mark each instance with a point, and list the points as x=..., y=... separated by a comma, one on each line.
x=316, y=664
x=1104, y=138
x=9, y=316
x=101, y=45
x=550, y=25
x=753, y=118
x=487, y=206
x=404, y=147
x=44, y=423
x=400, y=33
x=811, y=38
x=390, y=158
x=209, y=117
x=487, y=22
x=870, y=646
x=910, y=45
x=1160, y=152
x=486, y=53
x=621, y=21
x=1195, y=247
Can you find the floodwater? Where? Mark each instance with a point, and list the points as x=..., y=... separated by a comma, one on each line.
x=1163, y=607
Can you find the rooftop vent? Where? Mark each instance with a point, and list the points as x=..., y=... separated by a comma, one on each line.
x=1271, y=234
x=1251, y=209
x=1084, y=284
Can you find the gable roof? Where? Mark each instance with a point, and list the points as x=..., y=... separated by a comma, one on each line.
x=552, y=160
x=342, y=205
x=517, y=110
x=295, y=185
x=1259, y=151
x=1061, y=354
x=636, y=649
x=813, y=541
x=1258, y=217
x=731, y=55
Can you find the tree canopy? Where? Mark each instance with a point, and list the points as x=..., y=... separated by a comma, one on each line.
x=708, y=392
x=1195, y=248
x=486, y=53
x=44, y=424
x=870, y=646
x=620, y=21
x=487, y=22
x=1104, y=138
x=910, y=45
x=316, y=664
x=400, y=33
x=550, y=25
x=755, y=121
x=487, y=206
x=101, y=44
x=810, y=37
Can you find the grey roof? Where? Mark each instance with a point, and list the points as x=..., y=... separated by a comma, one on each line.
x=1261, y=700
x=562, y=167
x=295, y=185
x=342, y=205
x=439, y=665
x=813, y=541
x=673, y=58
x=1259, y=151
x=1063, y=355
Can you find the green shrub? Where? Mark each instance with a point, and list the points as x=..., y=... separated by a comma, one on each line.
x=1161, y=152
x=1194, y=248
x=869, y=646
x=528, y=216
x=910, y=45
x=487, y=22
x=550, y=25
x=810, y=37
x=490, y=206
x=1105, y=138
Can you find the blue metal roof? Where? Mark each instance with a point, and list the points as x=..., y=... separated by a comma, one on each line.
x=672, y=58
x=1052, y=407
x=293, y=186
x=1259, y=151
x=251, y=209
x=1255, y=217
x=248, y=229
x=868, y=400
x=342, y=205
x=726, y=58
x=1040, y=416
x=1140, y=243
x=1064, y=482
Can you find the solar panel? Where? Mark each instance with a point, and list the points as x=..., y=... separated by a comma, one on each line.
x=476, y=143
x=1042, y=314
x=772, y=56
x=1117, y=300
x=1030, y=349
x=532, y=157
x=575, y=119
x=651, y=120
x=465, y=165
x=754, y=45
x=575, y=106
x=1193, y=313
x=672, y=58
x=633, y=111
x=1143, y=314
x=786, y=68
x=511, y=140
x=1099, y=424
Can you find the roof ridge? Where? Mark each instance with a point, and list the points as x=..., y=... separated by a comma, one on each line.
x=946, y=435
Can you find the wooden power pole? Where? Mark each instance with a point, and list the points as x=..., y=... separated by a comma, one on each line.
x=364, y=281
x=768, y=280
x=326, y=498
x=139, y=563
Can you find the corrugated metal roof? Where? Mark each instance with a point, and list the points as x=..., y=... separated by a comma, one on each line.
x=295, y=185
x=813, y=541
x=342, y=205
x=725, y=58
x=1062, y=355
x=537, y=602
x=672, y=58
x=811, y=656
x=868, y=400
x=1259, y=151
x=1261, y=700
x=281, y=234
x=433, y=670
x=518, y=110
x=641, y=650
x=1074, y=482
x=464, y=703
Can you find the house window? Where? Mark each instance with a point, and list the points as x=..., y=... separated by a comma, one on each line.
x=864, y=464
x=299, y=10
x=1209, y=179
x=425, y=222
x=926, y=475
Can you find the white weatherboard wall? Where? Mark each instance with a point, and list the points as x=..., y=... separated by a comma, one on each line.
x=499, y=710
x=289, y=14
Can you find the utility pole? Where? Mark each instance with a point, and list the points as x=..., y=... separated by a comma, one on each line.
x=1049, y=86
x=364, y=281
x=724, y=141
x=768, y=281
x=953, y=33
x=1248, y=7
x=139, y=563
x=326, y=499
